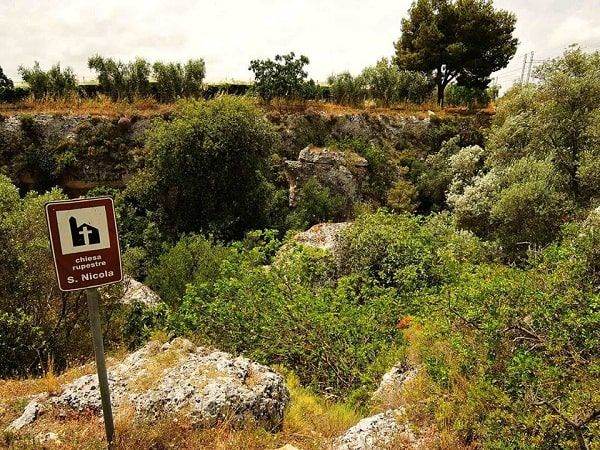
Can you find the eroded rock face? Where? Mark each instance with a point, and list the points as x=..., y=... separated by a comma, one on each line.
x=382, y=431
x=178, y=377
x=341, y=172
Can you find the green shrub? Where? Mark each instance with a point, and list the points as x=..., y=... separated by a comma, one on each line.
x=206, y=169
x=21, y=344
x=122, y=81
x=471, y=97
x=408, y=252
x=513, y=357
x=384, y=83
x=194, y=259
x=282, y=77
x=317, y=204
x=174, y=81
x=346, y=89
x=140, y=321
x=55, y=83
x=38, y=322
x=288, y=314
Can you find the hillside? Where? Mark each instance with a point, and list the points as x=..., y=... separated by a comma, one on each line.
x=322, y=277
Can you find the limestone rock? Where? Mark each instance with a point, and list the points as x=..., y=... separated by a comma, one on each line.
x=208, y=386
x=33, y=409
x=393, y=382
x=134, y=291
x=326, y=236
x=381, y=431
x=48, y=438
x=341, y=172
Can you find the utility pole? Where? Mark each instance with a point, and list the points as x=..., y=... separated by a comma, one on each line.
x=530, y=64
x=523, y=70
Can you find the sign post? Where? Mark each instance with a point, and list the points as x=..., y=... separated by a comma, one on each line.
x=86, y=253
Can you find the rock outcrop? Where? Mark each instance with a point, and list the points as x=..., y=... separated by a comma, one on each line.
x=326, y=236
x=394, y=382
x=136, y=292
x=389, y=429
x=33, y=409
x=341, y=172
x=208, y=386
x=382, y=431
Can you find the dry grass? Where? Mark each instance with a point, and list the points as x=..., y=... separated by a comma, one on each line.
x=100, y=106
x=148, y=107
x=153, y=370
x=311, y=423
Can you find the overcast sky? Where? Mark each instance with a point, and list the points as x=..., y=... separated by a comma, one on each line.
x=336, y=35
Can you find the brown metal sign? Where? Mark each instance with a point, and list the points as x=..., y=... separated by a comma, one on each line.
x=85, y=244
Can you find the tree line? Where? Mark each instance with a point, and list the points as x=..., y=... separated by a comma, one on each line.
x=443, y=43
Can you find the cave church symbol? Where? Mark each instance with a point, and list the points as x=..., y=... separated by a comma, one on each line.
x=83, y=234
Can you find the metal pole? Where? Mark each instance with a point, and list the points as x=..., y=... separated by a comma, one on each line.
x=92, y=299
x=530, y=65
x=523, y=70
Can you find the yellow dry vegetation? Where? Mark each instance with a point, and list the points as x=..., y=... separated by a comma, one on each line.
x=311, y=422
x=149, y=107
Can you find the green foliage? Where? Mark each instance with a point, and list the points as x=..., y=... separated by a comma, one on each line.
x=282, y=77
x=462, y=40
x=402, y=196
x=38, y=323
x=262, y=312
x=175, y=81
x=316, y=204
x=206, y=169
x=5, y=82
x=140, y=321
x=122, y=81
x=471, y=97
x=383, y=83
x=513, y=354
x=55, y=83
x=21, y=342
x=540, y=160
x=194, y=259
x=406, y=252
x=388, y=85
x=346, y=89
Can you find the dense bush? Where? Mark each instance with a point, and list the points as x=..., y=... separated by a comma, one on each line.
x=194, y=259
x=206, y=169
x=383, y=83
x=539, y=163
x=471, y=97
x=298, y=313
x=5, y=82
x=174, y=81
x=54, y=83
x=347, y=89
x=317, y=204
x=512, y=356
x=122, y=81
x=38, y=323
x=262, y=312
x=282, y=77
